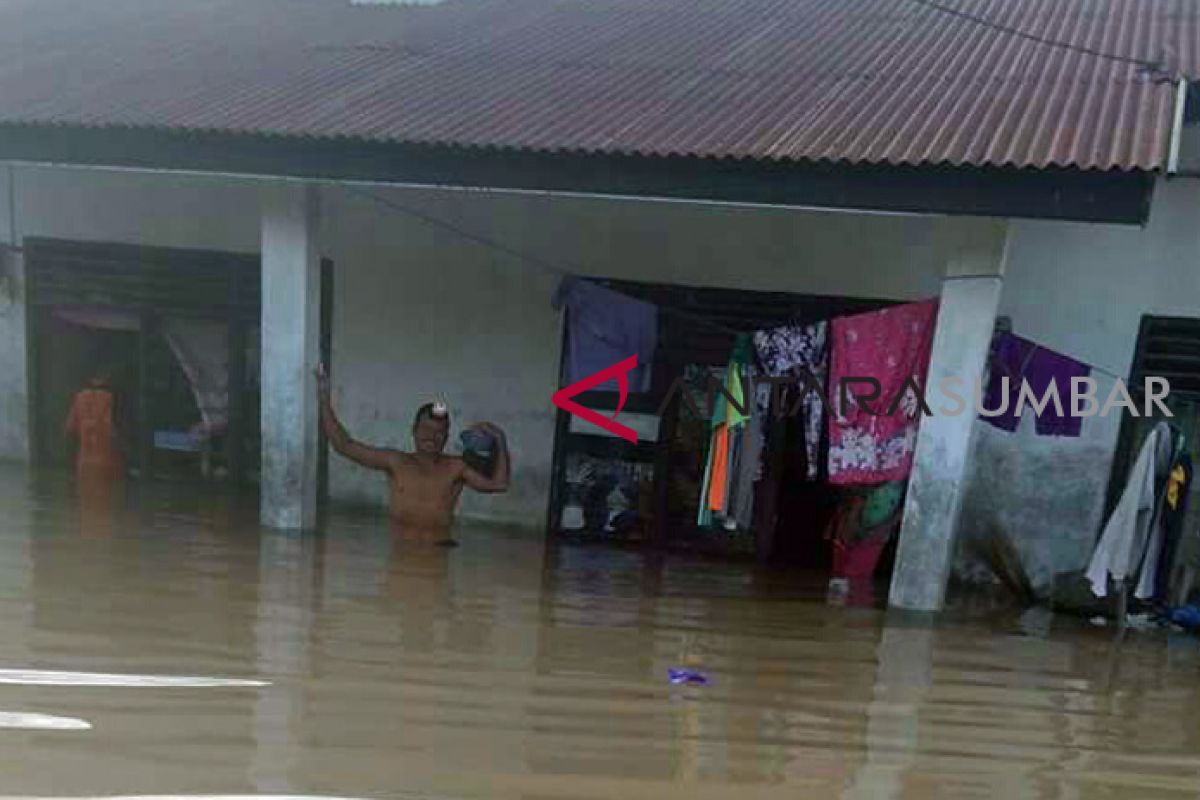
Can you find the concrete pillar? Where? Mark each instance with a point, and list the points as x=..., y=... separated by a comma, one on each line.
x=14, y=390
x=969, y=299
x=291, y=286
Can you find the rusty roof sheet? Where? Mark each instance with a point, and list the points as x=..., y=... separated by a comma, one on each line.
x=861, y=81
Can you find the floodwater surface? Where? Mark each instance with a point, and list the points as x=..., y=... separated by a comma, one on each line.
x=163, y=645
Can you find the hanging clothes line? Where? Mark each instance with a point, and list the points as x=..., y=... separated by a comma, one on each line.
x=1093, y=367
x=543, y=265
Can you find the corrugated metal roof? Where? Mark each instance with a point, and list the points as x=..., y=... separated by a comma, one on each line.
x=863, y=81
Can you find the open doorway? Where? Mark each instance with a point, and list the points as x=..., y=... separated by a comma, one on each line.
x=606, y=490
x=177, y=332
x=70, y=356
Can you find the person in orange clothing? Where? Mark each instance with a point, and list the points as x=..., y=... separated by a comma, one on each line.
x=92, y=423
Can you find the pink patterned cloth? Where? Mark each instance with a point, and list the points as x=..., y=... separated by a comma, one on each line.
x=890, y=345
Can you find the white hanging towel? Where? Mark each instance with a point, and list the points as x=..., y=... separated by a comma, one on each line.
x=202, y=348
x=1133, y=536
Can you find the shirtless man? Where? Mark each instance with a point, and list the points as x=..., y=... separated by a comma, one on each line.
x=426, y=484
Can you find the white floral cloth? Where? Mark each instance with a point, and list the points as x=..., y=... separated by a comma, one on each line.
x=792, y=350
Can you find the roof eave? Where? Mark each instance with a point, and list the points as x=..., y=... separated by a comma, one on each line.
x=1115, y=196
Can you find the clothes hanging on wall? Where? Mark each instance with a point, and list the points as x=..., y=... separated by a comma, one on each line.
x=1185, y=563
x=704, y=516
x=748, y=464
x=1174, y=510
x=893, y=346
x=1186, y=566
x=604, y=327
x=1020, y=360
x=729, y=423
x=792, y=350
x=718, y=474
x=1132, y=536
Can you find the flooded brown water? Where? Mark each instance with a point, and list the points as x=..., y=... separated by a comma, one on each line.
x=499, y=670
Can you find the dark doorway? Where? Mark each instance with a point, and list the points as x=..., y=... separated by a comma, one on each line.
x=178, y=331
x=69, y=356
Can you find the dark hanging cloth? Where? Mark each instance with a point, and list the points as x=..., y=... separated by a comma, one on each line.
x=793, y=350
x=1022, y=360
x=1174, y=510
x=604, y=327
x=1186, y=566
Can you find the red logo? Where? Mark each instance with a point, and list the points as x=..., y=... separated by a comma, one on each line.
x=620, y=371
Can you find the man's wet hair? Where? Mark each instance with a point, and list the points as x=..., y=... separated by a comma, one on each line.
x=426, y=412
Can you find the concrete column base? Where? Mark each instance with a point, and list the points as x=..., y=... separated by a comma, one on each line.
x=966, y=319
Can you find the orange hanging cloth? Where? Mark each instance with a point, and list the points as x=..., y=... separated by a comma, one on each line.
x=720, y=468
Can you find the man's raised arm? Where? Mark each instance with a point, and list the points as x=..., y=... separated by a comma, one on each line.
x=367, y=456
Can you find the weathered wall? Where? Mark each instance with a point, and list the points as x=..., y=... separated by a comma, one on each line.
x=77, y=204
x=1046, y=492
x=480, y=329
x=14, y=401
x=1080, y=290
x=14, y=422
x=420, y=310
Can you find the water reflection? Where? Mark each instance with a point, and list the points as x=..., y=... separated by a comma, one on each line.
x=283, y=628
x=101, y=498
x=505, y=669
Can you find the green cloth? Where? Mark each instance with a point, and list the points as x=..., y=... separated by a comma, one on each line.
x=739, y=360
x=704, y=515
x=738, y=390
x=883, y=501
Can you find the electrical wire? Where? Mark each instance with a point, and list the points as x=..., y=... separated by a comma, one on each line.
x=541, y=263
x=557, y=271
x=438, y=222
x=1154, y=68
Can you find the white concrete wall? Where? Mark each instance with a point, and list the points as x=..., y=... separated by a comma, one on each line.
x=14, y=401
x=1081, y=290
x=211, y=213
x=83, y=205
x=1084, y=288
x=421, y=311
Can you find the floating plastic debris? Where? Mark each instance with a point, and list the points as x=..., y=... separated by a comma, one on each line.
x=687, y=677
x=1186, y=617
